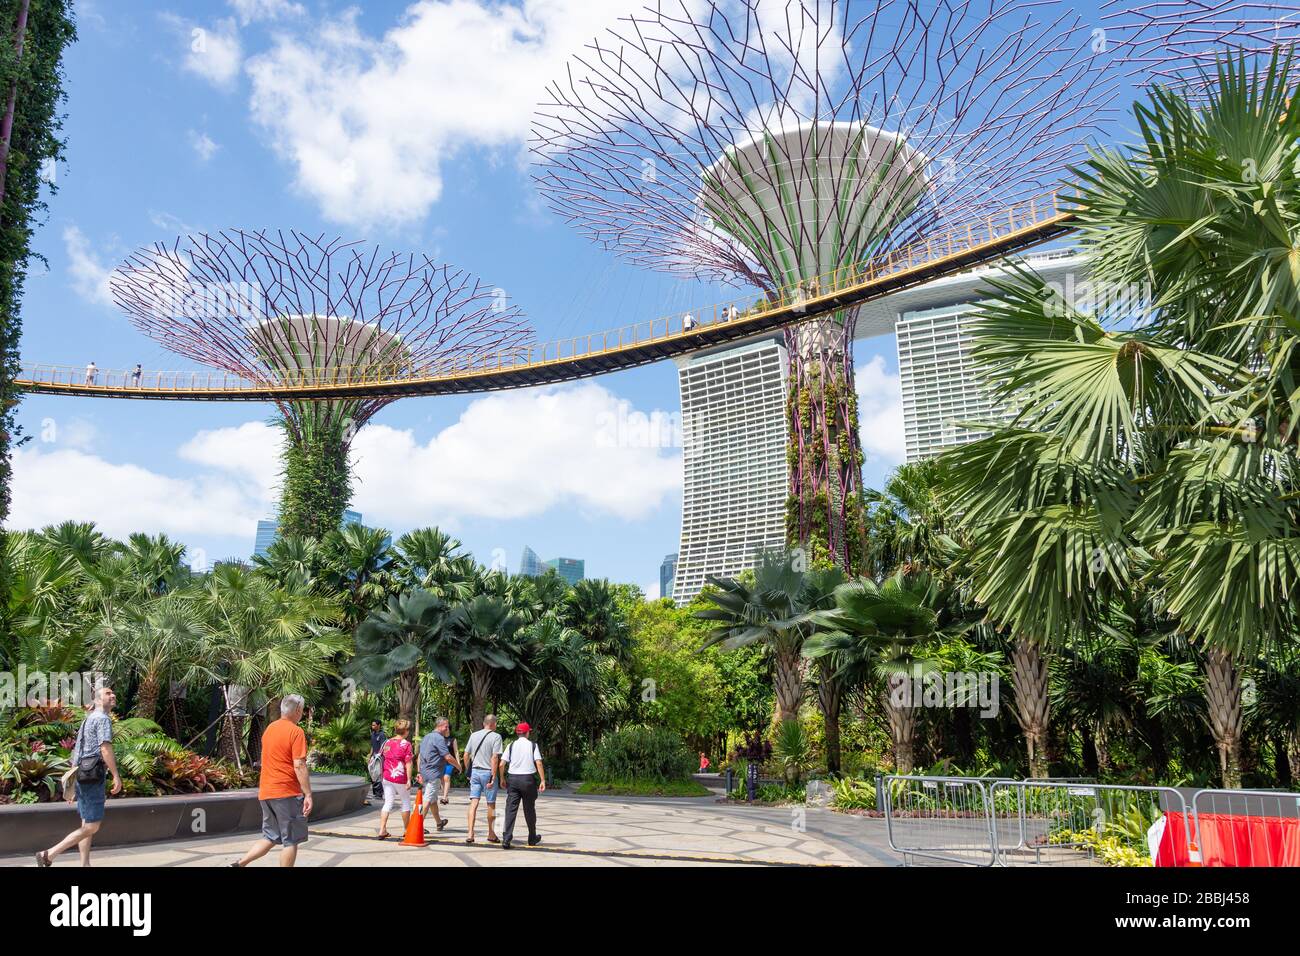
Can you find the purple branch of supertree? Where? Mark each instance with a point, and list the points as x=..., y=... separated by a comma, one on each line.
x=1180, y=42
x=271, y=303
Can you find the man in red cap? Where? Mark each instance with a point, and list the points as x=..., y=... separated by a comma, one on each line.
x=520, y=768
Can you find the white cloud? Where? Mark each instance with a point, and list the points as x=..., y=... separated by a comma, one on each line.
x=880, y=412
x=203, y=145
x=513, y=455
x=88, y=272
x=53, y=484
x=251, y=11
x=367, y=123
x=249, y=455
x=211, y=52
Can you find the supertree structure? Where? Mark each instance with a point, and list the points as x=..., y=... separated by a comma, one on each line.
x=1178, y=41
x=770, y=142
x=288, y=308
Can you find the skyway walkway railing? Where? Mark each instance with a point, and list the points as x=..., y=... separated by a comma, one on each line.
x=956, y=250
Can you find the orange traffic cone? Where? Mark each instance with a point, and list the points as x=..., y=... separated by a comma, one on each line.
x=1193, y=854
x=415, y=828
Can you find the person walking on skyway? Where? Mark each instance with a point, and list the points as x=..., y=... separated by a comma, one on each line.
x=135, y=375
x=91, y=371
x=521, y=765
x=483, y=750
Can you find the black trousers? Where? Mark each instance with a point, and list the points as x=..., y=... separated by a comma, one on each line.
x=520, y=788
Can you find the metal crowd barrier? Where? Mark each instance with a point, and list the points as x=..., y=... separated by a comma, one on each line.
x=1080, y=823
x=939, y=818
x=987, y=821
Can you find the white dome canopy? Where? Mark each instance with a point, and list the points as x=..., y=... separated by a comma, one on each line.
x=811, y=197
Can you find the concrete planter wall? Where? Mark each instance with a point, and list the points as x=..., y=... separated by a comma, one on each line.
x=26, y=829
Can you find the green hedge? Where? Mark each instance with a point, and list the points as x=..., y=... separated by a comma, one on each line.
x=640, y=753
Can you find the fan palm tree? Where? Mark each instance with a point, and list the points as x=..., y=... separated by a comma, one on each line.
x=487, y=639
x=393, y=642
x=908, y=523
x=873, y=637
x=591, y=608
x=265, y=639
x=291, y=561
x=1157, y=443
x=155, y=642
x=359, y=563
x=430, y=559
x=772, y=612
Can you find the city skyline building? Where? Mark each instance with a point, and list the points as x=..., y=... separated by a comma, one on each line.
x=571, y=569
x=530, y=564
x=667, y=571
x=268, y=530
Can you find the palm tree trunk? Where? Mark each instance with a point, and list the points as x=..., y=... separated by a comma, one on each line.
x=146, y=699
x=830, y=697
x=902, y=732
x=408, y=693
x=1223, y=701
x=1103, y=749
x=1029, y=679
x=787, y=684
x=480, y=685
x=1293, y=753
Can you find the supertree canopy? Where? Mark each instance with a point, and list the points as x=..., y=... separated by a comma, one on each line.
x=1179, y=41
x=771, y=142
x=287, y=308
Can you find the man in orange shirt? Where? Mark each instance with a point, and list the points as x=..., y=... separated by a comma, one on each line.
x=285, y=790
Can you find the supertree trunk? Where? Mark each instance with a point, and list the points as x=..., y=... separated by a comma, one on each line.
x=824, y=509
x=316, y=482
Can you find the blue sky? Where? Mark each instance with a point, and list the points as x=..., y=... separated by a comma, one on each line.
x=403, y=126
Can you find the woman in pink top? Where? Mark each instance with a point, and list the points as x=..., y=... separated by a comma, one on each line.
x=399, y=756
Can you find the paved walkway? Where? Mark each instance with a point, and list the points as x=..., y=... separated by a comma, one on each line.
x=576, y=831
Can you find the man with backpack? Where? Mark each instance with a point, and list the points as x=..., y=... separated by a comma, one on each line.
x=92, y=761
x=483, y=751
x=520, y=768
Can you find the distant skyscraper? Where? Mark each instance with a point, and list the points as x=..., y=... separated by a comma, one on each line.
x=530, y=564
x=268, y=530
x=571, y=569
x=667, y=571
x=733, y=456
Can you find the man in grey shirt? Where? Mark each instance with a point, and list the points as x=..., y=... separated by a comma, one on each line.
x=484, y=750
x=435, y=754
x=94, y=739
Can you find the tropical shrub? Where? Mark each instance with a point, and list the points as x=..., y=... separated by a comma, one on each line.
x=640, y=753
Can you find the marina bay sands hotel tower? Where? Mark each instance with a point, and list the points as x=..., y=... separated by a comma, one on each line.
x=734, y=422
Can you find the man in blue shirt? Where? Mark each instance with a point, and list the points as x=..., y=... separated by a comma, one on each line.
x=435, y=754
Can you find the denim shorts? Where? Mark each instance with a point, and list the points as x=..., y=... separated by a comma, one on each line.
x=480, y=781
x=90, y=801
x=282, y=821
